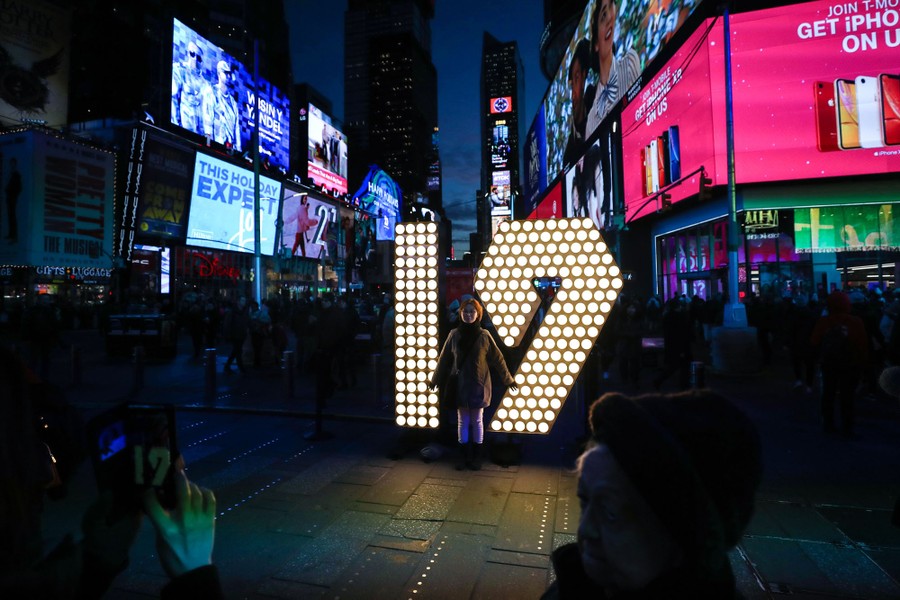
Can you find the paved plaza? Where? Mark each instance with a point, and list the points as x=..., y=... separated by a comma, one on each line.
x=361, y=515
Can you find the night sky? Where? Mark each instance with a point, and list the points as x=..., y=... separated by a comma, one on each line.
x=317, y=55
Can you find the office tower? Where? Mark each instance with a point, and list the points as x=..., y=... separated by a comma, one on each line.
x=390, y=93
x=501, y=98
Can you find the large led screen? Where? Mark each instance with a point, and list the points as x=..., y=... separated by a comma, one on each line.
x=327, y=152
x=380, y=196
x=221, y=214
x=613, y=42
x=535, y=163
x=213, y=95
x=816, y=91
x=163, y=193
x=551, y=205
x=846, y=228
x=589, y=186
x=667, y=129
x=307, y=222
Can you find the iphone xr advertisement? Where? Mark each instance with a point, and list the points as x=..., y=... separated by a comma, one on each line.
x=667, y=129
x=816, y=90
x=221, y=213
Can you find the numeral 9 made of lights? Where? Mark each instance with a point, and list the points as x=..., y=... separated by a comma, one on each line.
x=570, y=250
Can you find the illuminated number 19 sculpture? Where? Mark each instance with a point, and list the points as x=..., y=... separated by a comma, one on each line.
x=570, y=249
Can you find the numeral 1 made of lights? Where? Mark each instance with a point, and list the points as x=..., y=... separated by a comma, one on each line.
x=569, y=249
x=415, y=324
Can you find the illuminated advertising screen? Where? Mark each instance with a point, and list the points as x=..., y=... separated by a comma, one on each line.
x=589, y=186
x=495, y=224
x=667, y=129
x=551, y=206
x=307, y=222
x=535, y=162
x=500, y=145
x=221, y=214
x=817, y=91
x=327, y=152
x=500, y=198
x=213, y=96
x=165, y=186
x=380, y=195
x=612, y=44
x=34, y=71
x=503, y=104
x=846, y=228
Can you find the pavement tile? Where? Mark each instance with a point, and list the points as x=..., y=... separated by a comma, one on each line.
x=377, y=573
x=783, y=520
x=381, y=509
x=363, y=475
x=816, y=567
x=290, y=590
x=526, y=524
x=317, y=476
x=482, y=500
x=509, y=581
x=322, y=560
x=458, y=482
x=864, y=525
x=520, y=559
x=397, y=486
x=397, y=543
x=745, y=576
x=352, y=524
x=429, y=502
x=307, y=521
x=887, y=559
x=450, y=569
x=413, y=529
x=537, y=479
x=568, y=509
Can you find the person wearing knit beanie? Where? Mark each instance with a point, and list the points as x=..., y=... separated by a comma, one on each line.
x=666, y=489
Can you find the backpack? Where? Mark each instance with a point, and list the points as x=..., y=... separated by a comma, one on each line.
x=835, y=347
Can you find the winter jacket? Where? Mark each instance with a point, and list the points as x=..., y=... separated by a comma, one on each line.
x=474, y=390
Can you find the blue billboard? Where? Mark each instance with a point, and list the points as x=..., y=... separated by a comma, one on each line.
x=221, y=214
x=380, y=195
x=213, y=95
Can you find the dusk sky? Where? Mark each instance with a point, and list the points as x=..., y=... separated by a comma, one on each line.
x=317, y=55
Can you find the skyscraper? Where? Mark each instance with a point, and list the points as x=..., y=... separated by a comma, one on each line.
x=390, y=92
x=501, y=98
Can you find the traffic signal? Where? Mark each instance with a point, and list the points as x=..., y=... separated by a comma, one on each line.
x=705, y=193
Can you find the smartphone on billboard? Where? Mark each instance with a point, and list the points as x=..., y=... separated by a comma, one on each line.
x=890, y=108
x=133, y=449
x=663, y=157
x=868, y=104
x=648, y=175
x=674, y=154
x=644, y=172
x=826, y=117
x=662, y=148
x=848, y=116
x=654, y=165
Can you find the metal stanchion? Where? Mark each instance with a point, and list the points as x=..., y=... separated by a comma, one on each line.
x=75, y=354
x=698, y=374
x=209, y=379
x=138, y=361
x=288, y=369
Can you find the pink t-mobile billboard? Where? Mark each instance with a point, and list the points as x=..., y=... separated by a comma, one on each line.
x=816, y=90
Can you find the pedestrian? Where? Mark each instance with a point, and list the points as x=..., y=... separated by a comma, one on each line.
x=260, y=329
x=629, y=340
x=467, y=356
x=331, y=325
x=677, y=341
x=667, y=487
x=799, y=324
x=839, y=340
x=237, y=323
